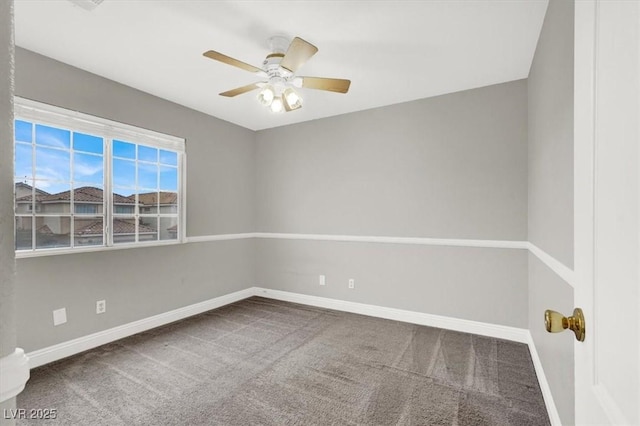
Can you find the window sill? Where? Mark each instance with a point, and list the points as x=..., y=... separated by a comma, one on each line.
x=25, y=254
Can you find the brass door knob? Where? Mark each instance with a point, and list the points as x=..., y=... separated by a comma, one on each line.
x=556, y=322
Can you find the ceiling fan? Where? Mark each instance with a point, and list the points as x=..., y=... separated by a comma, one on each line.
x=279, y=71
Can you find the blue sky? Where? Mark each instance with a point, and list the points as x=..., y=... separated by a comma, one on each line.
x=58, y=152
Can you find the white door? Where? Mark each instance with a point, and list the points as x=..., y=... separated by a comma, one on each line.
x=607, y=213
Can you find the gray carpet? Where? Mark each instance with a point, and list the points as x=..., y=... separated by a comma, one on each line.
x=260, y=361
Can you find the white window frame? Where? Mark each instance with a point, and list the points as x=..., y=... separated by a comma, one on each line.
x=40, y=113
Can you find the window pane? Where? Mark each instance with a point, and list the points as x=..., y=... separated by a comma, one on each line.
x=168, y=228
x=24, y=226
x=148, y=229
x=23, y=193
x=87, y=143
x=124, y=230
x=120, y=209
x=52, y=164
x=83, y=194
x=56, y=201
x=124, y=173
x=23, y=160
x=26, y=193
x=52, y=136
x=48, y=187
x=23, y=131
x=88, y=231
x=23, y=187
x=124, y=149
x=147, y=175
x=169, y=157
x=168, y=178
x=53, y=231
x=85, y=208
x=148, y=202
x=88, y=168
x=88, y=199
x=124, y=201
x=146, y=153
x=168, y=202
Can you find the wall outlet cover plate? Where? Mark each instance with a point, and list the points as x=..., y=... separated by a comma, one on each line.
x=59, y=316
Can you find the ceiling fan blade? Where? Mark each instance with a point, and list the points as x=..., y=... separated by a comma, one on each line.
x=330, y=84
x=240, y=90
x=298, y=53
x=230, y=61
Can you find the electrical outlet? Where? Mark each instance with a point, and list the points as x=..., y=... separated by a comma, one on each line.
x=352, y=283
x=101, y=306
x=322, y=280
x=59, y=316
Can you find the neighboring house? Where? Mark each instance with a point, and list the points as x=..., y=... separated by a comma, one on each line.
x=54, y=226
x=22, y=190
x=86, y=200
x=158, y=202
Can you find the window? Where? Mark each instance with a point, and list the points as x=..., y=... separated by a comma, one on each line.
x=82, y=182
x=86, y=208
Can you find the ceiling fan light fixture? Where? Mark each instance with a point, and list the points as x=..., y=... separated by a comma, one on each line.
x=297, y=82
x=291, y=99
x=278, y=90
x=266, y=95
x=277, y=106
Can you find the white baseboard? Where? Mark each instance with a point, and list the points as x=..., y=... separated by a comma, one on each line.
x=467, y=326
x=552, y=410
x=75, y=346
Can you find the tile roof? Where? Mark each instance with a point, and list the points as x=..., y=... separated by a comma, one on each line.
x=151, y=198
x=94, y=228
x=87, y=194
x=119, y=227
x=120, y=199
x=90, y=194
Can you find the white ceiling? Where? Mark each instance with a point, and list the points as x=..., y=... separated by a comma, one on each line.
x=392, y=51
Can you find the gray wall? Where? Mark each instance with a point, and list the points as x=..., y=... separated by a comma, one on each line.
x=550, y=98
x=7, y=261
x=137, y=283
x=453, y=166
x=479, y=284
x=550, y=94
x=7, y=258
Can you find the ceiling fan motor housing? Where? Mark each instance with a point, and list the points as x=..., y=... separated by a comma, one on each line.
x=279, y=77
